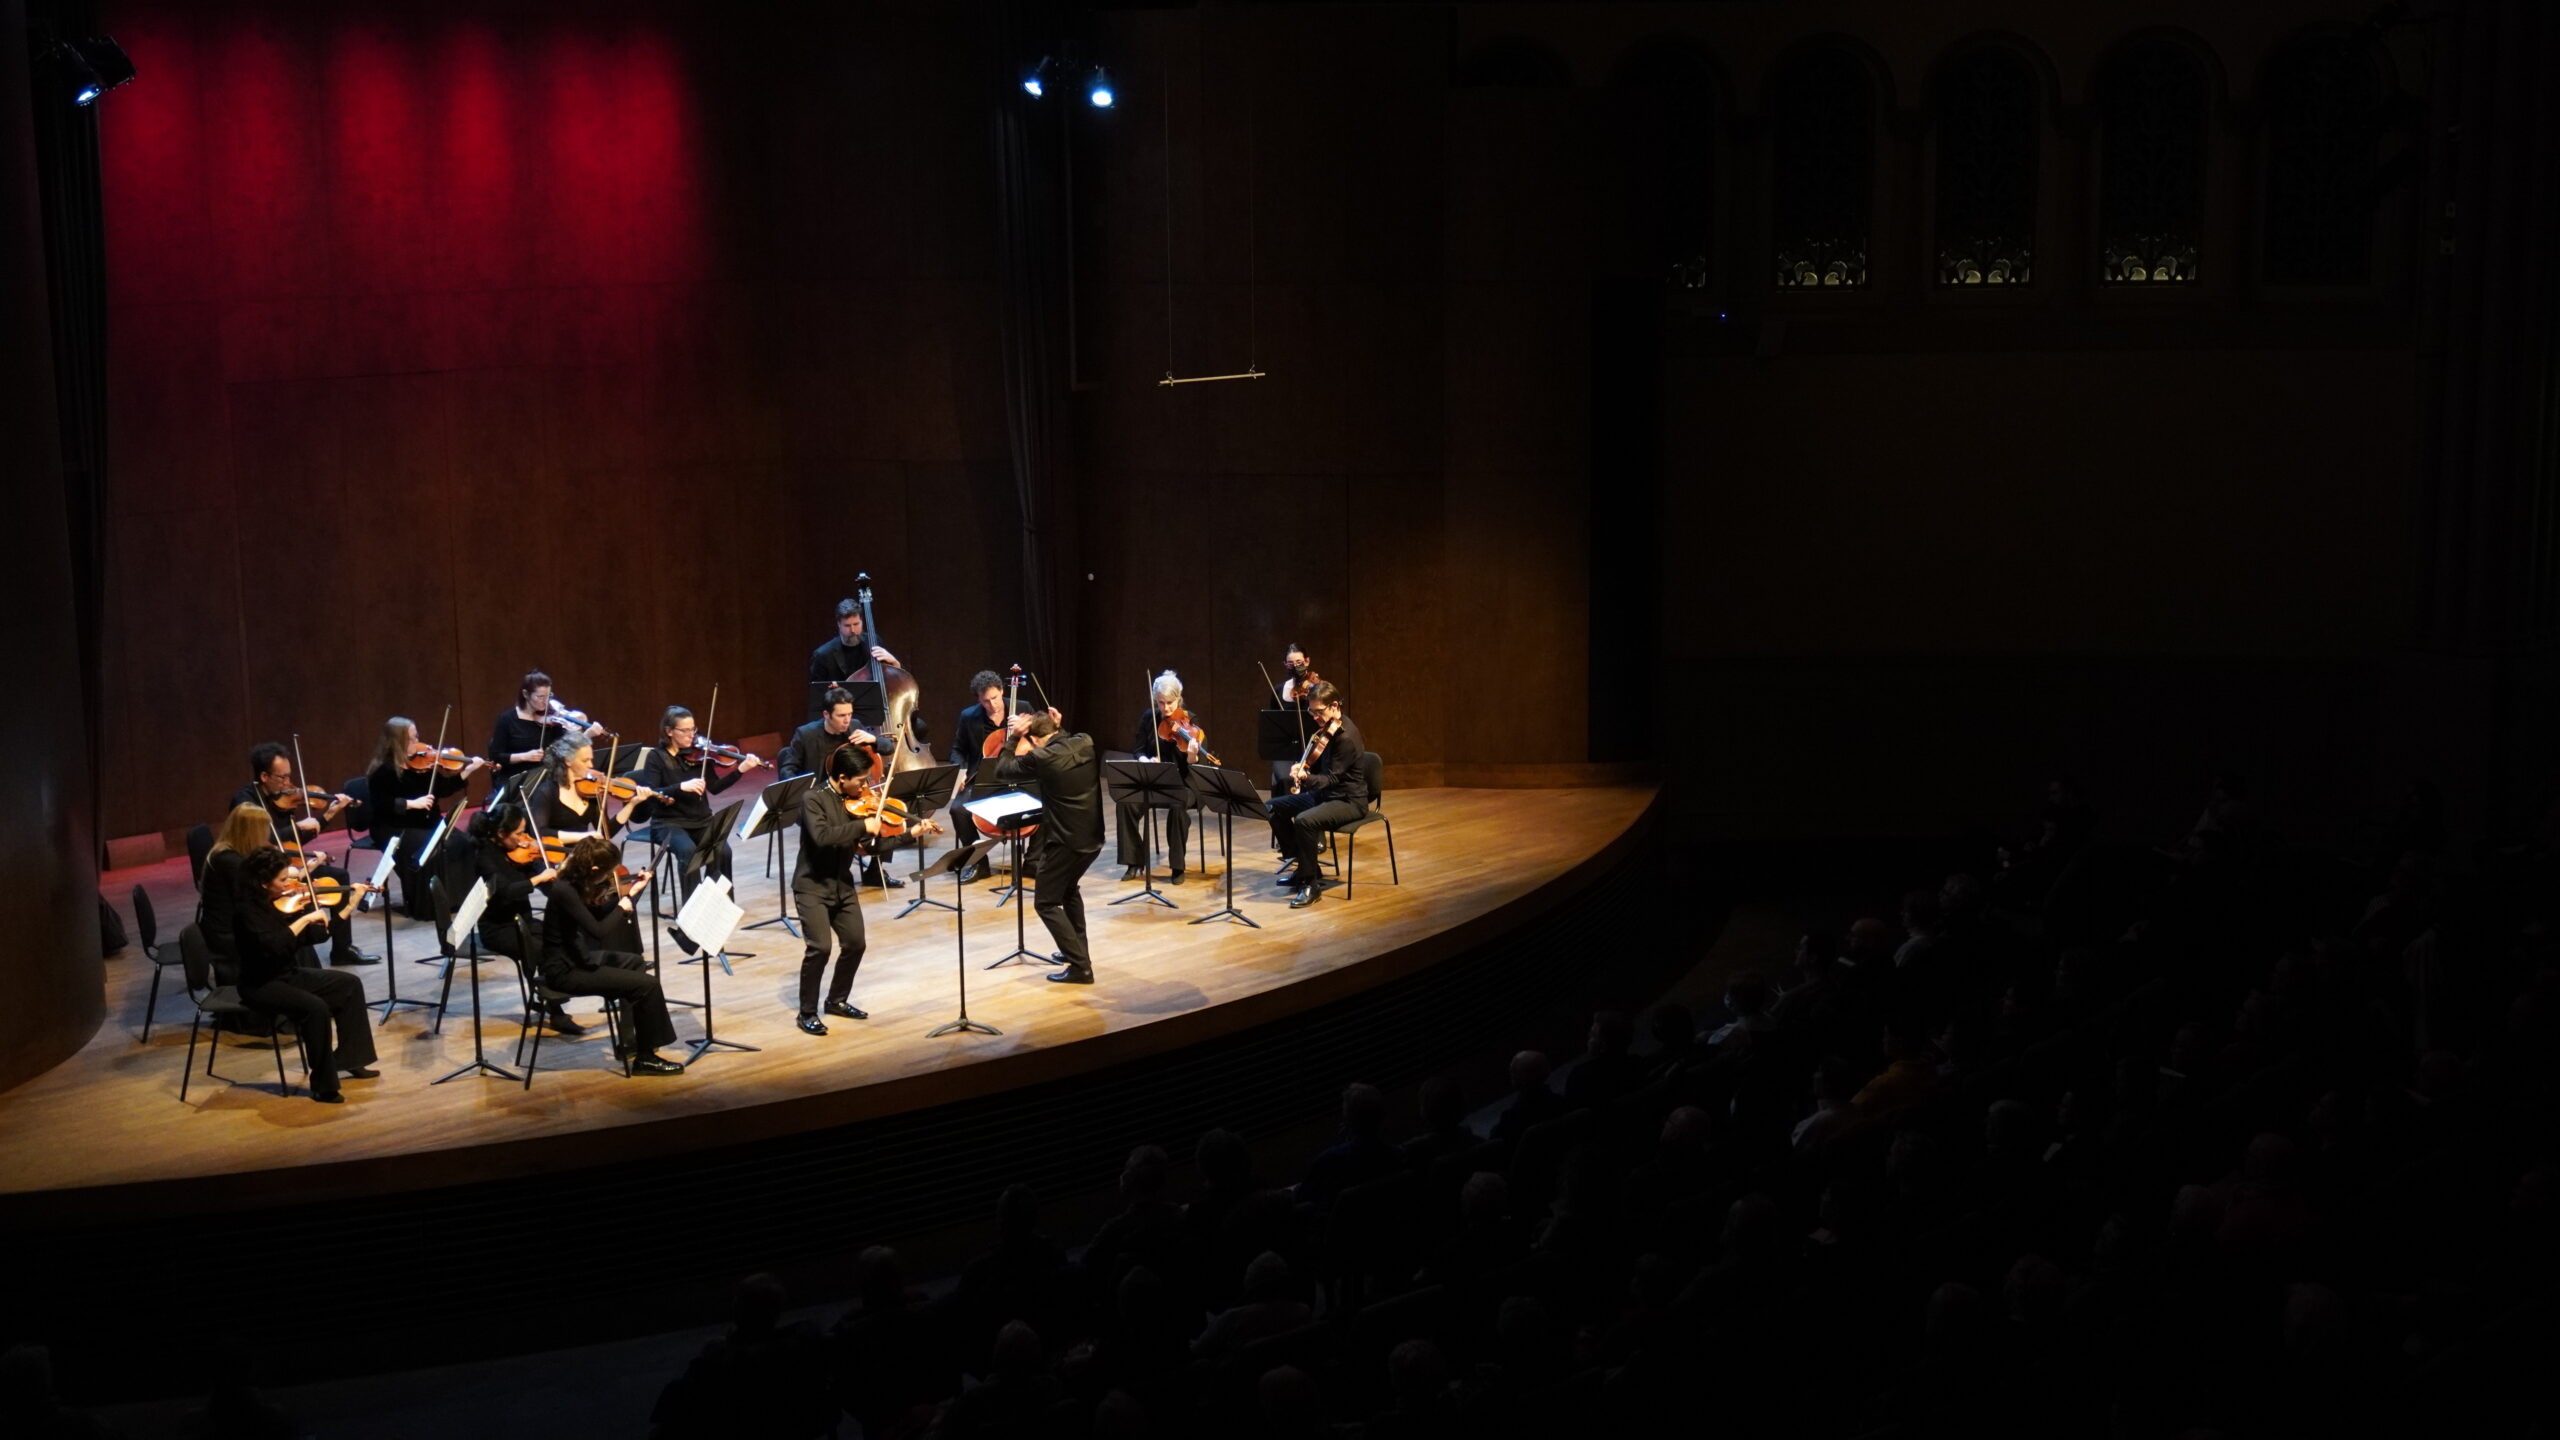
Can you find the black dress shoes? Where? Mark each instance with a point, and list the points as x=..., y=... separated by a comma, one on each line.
x=1128, y=872
x=811, y=1024
x=1071, y=976
x=352, y=956
x=872, y=875
x=652, y=1065
x=330, y=1098
x=560, y=1023
x=1175, y=878
x=362, y=1072
x=846, y=1009
x=1305, y=896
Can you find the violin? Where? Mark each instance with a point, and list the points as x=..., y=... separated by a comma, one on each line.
x=721, y=758
x=1175, y=726
x=300, y=798
x=551, y=851
x=324, y=894
x=873, y=803
x=423, y=757
x=620, y=787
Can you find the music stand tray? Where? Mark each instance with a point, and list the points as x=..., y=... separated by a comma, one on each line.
x=781, y=801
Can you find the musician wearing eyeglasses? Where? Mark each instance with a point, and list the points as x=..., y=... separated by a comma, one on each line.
x=293, y=813
x=1149, y=743
x=685, y=776
x=273, y=915
x=406, y=804
x=1330, y=789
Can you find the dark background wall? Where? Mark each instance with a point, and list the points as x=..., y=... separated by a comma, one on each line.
x=464, y=311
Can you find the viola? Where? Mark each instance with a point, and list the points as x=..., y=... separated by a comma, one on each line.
x=1175, y=726
x=1315, y=752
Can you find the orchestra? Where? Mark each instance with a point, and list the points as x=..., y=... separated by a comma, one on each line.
x=548, y=841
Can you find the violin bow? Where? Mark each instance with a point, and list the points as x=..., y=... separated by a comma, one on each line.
x=436, y=769
x=302, y=782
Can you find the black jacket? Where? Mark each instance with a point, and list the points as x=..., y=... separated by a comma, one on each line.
x=1068, y=774
x=831, y=841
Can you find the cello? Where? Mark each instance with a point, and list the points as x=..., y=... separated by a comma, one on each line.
x=994, y=746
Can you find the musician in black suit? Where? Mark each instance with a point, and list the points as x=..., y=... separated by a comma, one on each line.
x=1332, y=790
x=814, y=742
x=1066, y=770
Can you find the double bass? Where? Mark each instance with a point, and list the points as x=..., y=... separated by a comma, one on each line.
x=899, y=691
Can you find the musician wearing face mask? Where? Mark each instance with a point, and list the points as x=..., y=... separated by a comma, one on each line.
x=527, y=729
x=1331, y=789
x=1297, y=675
x=301, y=818
x=270, y=923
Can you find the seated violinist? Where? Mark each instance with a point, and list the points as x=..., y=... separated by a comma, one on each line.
x=512, y=864
x=527, y=729
x=276, y=907
x=1328, y=788
x=685, y=774
x=409, y=786
x=295, y=817
x=586, y=925
x=1150, y=743
x=1298, y=675
x=569, y=799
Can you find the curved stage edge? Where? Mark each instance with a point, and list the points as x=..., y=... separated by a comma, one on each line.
x=450, y=1229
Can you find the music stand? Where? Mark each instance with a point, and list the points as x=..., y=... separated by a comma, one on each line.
x=983, y=785
x=926, y=793
x=1157, y=784
x=953, y=861
x=711, y=908
x=777, y=807
x=392, y=1000
x=1227, y=794
x=691, y=875
x=870, y=701
x=1012, y=811
x=466, y=923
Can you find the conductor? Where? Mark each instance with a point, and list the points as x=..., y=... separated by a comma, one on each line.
x=1067, y=771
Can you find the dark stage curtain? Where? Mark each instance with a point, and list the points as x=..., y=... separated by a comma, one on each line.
x=1029, y=201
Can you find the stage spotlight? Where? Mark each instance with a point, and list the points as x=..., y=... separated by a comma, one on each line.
x=1098, y=88
x=89, y=68
x=1035, y=84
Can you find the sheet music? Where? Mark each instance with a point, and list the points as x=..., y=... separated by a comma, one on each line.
x=996, y=809
x=458, y=934
x=710, y=915
x=382, y=871
x=435, y=838
x=746, y=826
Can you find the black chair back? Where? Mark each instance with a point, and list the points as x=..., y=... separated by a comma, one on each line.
x=146, y=923
x=442, y=909
x=1373, y=769
x=197, y=957
x=199, y=845
x=359, y=816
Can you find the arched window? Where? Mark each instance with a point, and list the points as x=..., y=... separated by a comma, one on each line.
x=1822, y=144
x=2152, y=98
x=1989, y=121
x=2323, y=133
x=1661, y=110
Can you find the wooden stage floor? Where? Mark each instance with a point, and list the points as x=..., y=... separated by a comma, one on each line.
x=109, y=1122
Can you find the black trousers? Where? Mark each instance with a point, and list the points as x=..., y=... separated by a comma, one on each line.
x=626, y=978
x=1061, y=904
x=1298, y=826
x=681, y=845
x=413, y=876
x=320, y=1002
x=1175, y=825
x=830, y=919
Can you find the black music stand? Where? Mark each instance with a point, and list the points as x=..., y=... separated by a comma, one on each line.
x=691, y=875
x=983, y=785
x=1015, y=823
x=781, y=809
x=710, y=1035
x=480, y=1061
x=392, y=999
x=1158, y=786
x=952, y=862
x=870, y=701
x=926, y=793
x=1227, y=794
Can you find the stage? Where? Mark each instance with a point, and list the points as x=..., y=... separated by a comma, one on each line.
x=104, y=1134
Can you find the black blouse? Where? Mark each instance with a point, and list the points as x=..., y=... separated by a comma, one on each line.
x=221, y=902
x=685, y=810
x=266, y=940
x=575, y=934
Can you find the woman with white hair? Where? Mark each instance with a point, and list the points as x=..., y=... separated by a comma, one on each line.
x=1159, y=737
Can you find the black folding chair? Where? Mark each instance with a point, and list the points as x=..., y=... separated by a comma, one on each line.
x=221, y=1008
x=146, y=926
x=1372, y=766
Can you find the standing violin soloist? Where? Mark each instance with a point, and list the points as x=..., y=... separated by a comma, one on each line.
x=824, y=887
